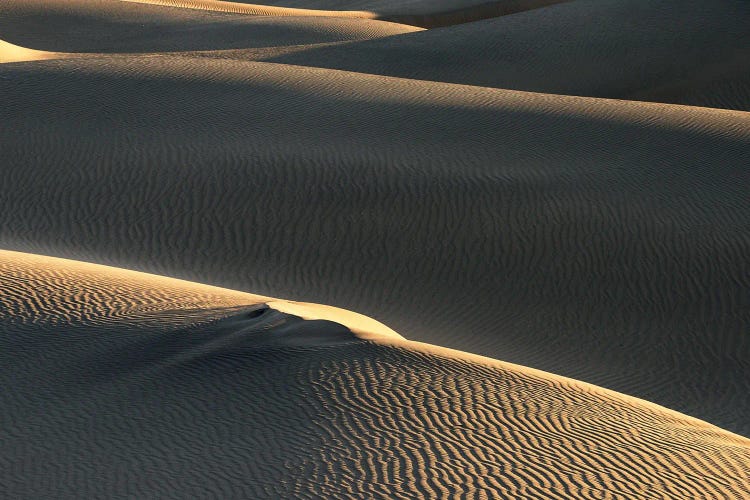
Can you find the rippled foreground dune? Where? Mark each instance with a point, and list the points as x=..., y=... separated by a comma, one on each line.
x=339, y=153
x=126, y=384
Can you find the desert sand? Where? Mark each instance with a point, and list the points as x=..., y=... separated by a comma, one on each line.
x=332, y=159
x=676, y=51
x=126, y=384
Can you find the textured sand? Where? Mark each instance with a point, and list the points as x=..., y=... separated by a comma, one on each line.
x=677, y=51
x=590, y=238
x=425, y=13
x=604, y=240
x=115, y=26
x=120, y=384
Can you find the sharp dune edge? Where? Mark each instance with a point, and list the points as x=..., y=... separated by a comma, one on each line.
x=112, y=367
x=254, y=9
x=14, y=53
x=603, y=240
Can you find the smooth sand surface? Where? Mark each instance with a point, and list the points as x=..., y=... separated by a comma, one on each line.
x=120, y=384
x=677, y=51
x=586, y=237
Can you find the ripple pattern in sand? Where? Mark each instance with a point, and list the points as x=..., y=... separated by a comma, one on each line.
x=599, y=239
x=152, y=404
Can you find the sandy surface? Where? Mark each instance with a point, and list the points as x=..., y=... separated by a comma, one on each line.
x=603, y=240
x=581, y=236
x=125, y=384
x=114, y=26
x=677, y=51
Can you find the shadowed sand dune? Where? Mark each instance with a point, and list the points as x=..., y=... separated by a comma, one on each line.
x=115, y=26
x=603, y=240
x=119, y=384
x=678, y=51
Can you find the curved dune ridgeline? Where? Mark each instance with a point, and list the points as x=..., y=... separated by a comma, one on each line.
x=425, y=14
x=14, y=53
x=113, y=26
x=111, y=368
x=677, y=51
x=551, y=232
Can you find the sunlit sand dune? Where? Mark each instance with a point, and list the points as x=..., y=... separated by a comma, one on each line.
x=14, y=53
x=425, y=13
x=120, y=384
x=255, y=9
x=678, y=51
x=114, y=26
x=597, y=239
x=445, y=182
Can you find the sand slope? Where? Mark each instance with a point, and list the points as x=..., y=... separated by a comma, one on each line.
x=14, y=53
x=691, y=52
x=114, y=26
x=598, y=239
x=424, y=13
x=120, y=384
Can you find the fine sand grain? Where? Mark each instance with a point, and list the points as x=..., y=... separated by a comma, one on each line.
x=120, y=384
x=603, y=240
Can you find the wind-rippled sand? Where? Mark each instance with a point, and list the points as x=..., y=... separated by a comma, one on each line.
x=677, y=51
x=604, y=240
x=120, y=384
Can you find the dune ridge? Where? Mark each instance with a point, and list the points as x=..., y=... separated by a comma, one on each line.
x=254, y=9
x=14, y=53
x=421, y=14
x=140, y=385
x=556, y=240
x=109, y=26
x=682, y=52
x=297, y=150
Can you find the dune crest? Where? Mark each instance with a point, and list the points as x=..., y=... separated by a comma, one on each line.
x=13, y=53
x=132, y=384
x=255, y=9
x=115, y=292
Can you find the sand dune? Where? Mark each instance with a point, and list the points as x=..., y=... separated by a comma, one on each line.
x=120, y=384
x=424, y=13
x=105, y=26
x=14, y=53
x=677, y=51
x=586, y=237
x=255, y=9
x=311, y=149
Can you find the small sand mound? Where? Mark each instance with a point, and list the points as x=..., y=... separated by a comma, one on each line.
x=14, y=53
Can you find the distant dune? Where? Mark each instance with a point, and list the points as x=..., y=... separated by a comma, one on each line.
x=119, y=384
x=677, y=51
x=586, y=237
x=424, y=13
x=114, y=26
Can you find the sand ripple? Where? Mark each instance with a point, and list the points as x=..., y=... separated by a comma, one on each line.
x=591, y=238
x=192, y=391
